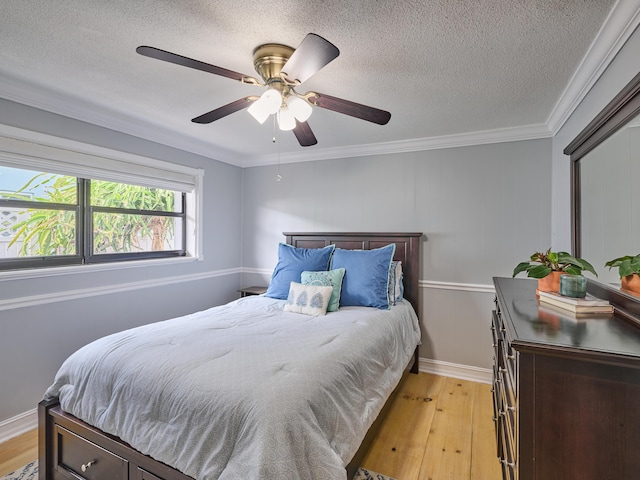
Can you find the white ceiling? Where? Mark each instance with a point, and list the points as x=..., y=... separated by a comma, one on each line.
x=450, y=72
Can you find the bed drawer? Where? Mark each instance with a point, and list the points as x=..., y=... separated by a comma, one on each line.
x=142, y=474
x=78, y=458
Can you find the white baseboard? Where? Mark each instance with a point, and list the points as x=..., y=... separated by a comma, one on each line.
x=18, y=425
x=446, y=369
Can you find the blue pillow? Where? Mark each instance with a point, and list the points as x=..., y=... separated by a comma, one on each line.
x=292, y=262
x=366, y=277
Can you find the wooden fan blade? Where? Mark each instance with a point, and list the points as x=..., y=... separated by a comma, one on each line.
x=370, y=114
x=165, y=56
x=303, y=133
x=311, y=55
x=225, y=110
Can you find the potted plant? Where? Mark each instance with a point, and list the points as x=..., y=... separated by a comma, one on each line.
x=548, y=266
x=629, y=271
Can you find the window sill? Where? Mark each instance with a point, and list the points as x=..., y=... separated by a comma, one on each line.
x=98, y=267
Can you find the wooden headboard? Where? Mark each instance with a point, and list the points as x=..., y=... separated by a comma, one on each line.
x=407, y=251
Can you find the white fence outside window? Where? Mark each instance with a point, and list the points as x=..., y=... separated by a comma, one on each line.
x=8, y=219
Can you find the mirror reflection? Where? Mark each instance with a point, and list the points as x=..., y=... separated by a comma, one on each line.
x=610, y=201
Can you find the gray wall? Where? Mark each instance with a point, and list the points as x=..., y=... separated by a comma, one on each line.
x=482, y=210
x=37, y=332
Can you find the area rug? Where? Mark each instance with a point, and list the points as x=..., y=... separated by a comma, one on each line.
x=363, y=474
x=30, y=472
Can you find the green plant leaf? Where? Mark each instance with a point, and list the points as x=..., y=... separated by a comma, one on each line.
x=625, y=268
x=521, y=267
x=573, y=270
x=627, y=265
x=539, y=271
x=565, y=260
x=49, y=232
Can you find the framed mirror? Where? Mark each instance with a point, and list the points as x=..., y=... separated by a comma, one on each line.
x=605, y=195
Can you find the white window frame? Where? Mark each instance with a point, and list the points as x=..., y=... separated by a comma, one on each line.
x=22, y=148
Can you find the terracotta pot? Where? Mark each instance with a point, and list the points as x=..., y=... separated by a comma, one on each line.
x=550, y=283
x=631, y=283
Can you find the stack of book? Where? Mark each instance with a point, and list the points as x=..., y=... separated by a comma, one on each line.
x=588, y=304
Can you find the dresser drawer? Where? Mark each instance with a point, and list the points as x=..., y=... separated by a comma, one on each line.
x=505, y=396
x=506, y=454
x=77, y=457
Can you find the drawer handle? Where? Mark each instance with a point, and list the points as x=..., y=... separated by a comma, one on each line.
x=512, y=409
x=502, y=370
x=511, y=357
x=508, y=464
x=87, y=466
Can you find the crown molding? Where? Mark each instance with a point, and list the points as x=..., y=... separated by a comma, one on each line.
x=45, y=98
x=619, y=25
x=617, y=28
x=501, y=135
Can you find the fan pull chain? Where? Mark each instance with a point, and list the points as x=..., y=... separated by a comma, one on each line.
x=278, y=176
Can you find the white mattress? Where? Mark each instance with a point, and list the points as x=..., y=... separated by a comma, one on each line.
x=244, y=390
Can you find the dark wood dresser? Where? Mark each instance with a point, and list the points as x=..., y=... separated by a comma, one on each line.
x=566, y=390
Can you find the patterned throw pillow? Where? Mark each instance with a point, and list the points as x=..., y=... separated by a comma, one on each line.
x=308, y=299
x=332, y=278
x=396, y=287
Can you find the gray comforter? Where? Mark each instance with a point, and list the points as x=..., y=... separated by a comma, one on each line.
x=243, y=390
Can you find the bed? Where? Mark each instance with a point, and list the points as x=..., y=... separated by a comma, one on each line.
x=279, y=416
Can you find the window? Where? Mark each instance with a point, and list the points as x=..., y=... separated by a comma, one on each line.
x=119, y=211
x=38, y=217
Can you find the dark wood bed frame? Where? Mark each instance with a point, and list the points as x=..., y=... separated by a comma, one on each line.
x=65, y=442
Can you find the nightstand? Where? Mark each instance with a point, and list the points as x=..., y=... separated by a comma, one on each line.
x=246, y=291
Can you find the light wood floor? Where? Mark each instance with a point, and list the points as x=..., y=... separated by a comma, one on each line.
x=439, y=428
x=18, y=452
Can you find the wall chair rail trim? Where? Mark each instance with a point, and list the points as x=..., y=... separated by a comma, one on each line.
x=26, y=274
x=34, y=300
x=431, y=284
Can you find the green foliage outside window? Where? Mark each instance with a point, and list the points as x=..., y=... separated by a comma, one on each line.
x=47, y=232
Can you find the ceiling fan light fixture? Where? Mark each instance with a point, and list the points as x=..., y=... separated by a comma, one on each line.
x=282, y=69
x=268, y=103
x=286, y=120
x=300, y=109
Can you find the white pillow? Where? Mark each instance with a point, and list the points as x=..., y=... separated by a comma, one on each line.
x=308, y=299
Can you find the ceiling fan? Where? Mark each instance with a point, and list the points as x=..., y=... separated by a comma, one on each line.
x=282, y=69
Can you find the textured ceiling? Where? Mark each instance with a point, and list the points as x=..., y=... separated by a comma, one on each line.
x=441, y=67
